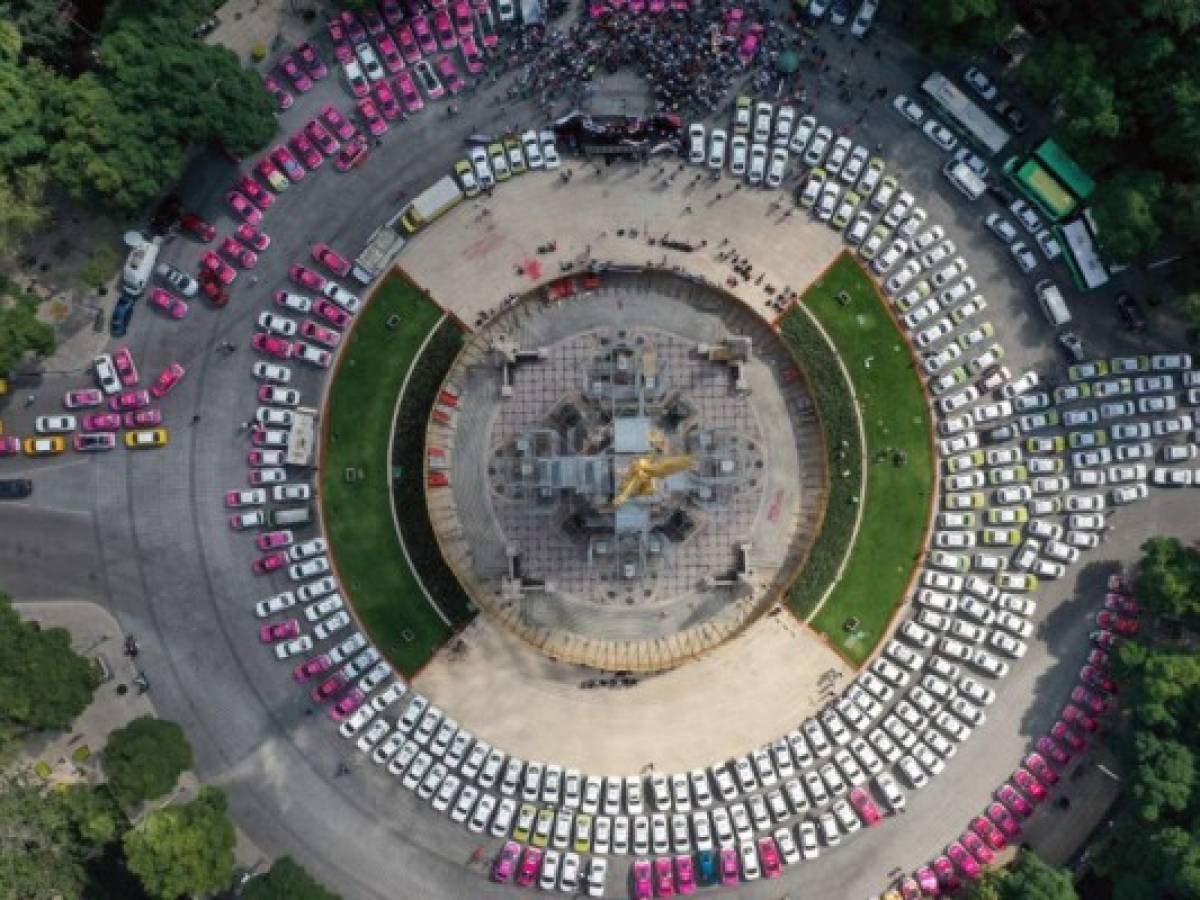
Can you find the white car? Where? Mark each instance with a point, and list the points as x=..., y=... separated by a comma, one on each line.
x=945, y=275
x=980, y=84
x=1001, y=227
x=892, y=255
x=858, y=228
x=784, y=120
x=777, y=167
x=758, y=163
x=828, y=201
x=717, y=145
x=106, y=374
x=739, y=152
x=54, y=424
x=483, y=168
x=838, y=155
x=762, y=121
x=942, y=136
x=1028, y=218
x=1024, y=256
x=369, y=61
x=533, y=150
x=820, y=142
x=909, y=109
x=696, y=137
x=855, y=164
x=804, y=131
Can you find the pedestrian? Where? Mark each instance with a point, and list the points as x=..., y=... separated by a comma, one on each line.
x=195, y=418
x=29, y=400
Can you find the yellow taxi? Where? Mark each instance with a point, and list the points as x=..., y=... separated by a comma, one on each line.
x=146, y=437
x=47, y=445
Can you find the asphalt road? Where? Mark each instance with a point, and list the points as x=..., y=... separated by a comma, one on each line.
x=145, y=533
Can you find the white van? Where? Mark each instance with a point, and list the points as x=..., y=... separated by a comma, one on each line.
x=965, y=179
x=139, y=266
x=291, y=516
x=1050, y=299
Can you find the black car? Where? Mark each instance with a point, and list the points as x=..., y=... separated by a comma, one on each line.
x=1131, y=312
x=15, y=488
x=121, y=314
x=1001, y=193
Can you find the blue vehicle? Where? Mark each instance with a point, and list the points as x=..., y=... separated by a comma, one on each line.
x=121, y=314
x=706, y=867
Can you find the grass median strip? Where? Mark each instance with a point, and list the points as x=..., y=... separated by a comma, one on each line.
x=356, y=475
x=899, y=463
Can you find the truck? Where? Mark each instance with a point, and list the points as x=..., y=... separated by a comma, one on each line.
x=382, y=248
x=444, y=194
x=139, y=266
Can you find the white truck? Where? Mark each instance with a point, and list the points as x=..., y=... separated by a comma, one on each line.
x=139, y=266
x=436, y=199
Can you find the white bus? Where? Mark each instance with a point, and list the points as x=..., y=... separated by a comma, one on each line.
x=962, y=112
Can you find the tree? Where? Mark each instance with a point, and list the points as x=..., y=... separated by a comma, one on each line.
x=1028, y=877
x=49, y=836
x=1163, y=777
x=1127, y=210
x=185, y=849
x=950, y=27
x=143, y=760
x=287, y=880
x=21, y=212
x=1168, y=579
x=43, y=682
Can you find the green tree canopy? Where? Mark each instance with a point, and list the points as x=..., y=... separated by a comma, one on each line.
x=1127, y=208
x=1163, y=778
x=43, y=682
x=1168, y=579
x=1028, y=877
x=183, y=849
x=287, y=880
x=950, y=27
x=143, y=760
x=49, y=835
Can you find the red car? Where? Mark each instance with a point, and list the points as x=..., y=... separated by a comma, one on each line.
x=464, y=22
x=173, y=306
x=487, y=27
x=424, y=35
x=342, y=51
x=506, y=862
x=331, y=313
x=311, y=668
x=946, y=875
x=1092, y=676
x=283, y=158
x=445, y=30
x=685, y=874
x=320, y=136
x=992, y=835
x=472, y=58
x=449, y=74
x=1064, y=735
x=220, y=270
x=964, y=860
x=1085, y=698
x=129, y=400
x=300, y=81
x=259, y=195
x=928, y=882
x=243, y=256
x=311, y=61
x=213, y=289
x=327, y=257
x=335, y=120
x=326, y=337
x=1037, y=764
x=305, y=150
x=768, y=856
x=409, y=93
x=123, y=361
x=142, y=418
x=370, y=113
x=269, y=563
x=242, y=208
x=348, y=704
x=102, y=422
x=272, y=540
x=531, y=865
x=387, y=101
x=728, y=866
x=1050, y=748
x=197, y=227
x=1105, y=640
x=865, y=807
x=1009, y=797
x=1030, y=786
x=272, y=346
x=408, y=44
x=978, y=848
x=1119, y=583
x=1122, y=604
x=167, y=379
x=280, y=631
x=392, y=60
x=86, y=398
x=329, y=687
x=353, y=153
x=909, y=888
x=664, y=877
x=1123, y=625
x=252, y=237
x=269, y=172
x=283, y=100
x=354, y=27
x=307, y=278
x=1098, y=658
x=1003, y=820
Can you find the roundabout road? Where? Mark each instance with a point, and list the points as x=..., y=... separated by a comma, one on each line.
x=146, y=534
